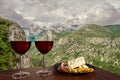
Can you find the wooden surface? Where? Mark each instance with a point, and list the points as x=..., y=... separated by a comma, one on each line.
x=98, y=74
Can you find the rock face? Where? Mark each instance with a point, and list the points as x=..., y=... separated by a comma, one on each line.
x=98, y=44
x=17, y=33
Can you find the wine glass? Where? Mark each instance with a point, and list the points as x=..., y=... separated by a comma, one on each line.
x=20, y=47
x=44, y=45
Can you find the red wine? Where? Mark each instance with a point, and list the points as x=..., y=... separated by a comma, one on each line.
x=44, y=46
x=21, y=47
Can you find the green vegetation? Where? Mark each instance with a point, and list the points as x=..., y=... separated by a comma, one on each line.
x=96, y=43
x=6, y=53
x=100, y=45
x=115, y=29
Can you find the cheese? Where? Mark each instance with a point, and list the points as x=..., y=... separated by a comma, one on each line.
x=76, y=62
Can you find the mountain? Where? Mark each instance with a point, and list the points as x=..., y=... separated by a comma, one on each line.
x=10, y=31
x=6, y=53
x=96, y=43
x=92, y=30
x=100, y=45
x=115, y=29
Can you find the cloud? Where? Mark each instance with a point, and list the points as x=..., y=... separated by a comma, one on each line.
x=8, y=13
x=118, y=19
x=103, y=14
x=55, y=11
x=43, y=10
x=115, y=3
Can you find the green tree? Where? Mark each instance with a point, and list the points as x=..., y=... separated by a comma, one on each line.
x=6, y=53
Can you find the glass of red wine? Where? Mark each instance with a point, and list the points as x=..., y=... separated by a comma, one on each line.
x=20, y=47
x=44, y=45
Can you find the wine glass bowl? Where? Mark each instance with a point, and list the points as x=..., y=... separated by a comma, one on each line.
x=44, y=45
x=20, y=47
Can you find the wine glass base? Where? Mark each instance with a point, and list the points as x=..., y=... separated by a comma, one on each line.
x=44, y=73
x=20, y=76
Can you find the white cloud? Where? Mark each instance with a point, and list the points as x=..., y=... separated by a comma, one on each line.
x=115, y=3
x=54, y=11
x=8, y=12
x=29, y=18
x=103, y=14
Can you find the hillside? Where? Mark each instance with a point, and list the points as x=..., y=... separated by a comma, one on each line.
x=6, y=53
x=100, y=45
x=94, y=42
x=10, y=30
x=115, y=29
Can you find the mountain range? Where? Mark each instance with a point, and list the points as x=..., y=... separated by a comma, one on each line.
x=100, y=45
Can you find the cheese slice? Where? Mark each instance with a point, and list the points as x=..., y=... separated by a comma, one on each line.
x=78, y=62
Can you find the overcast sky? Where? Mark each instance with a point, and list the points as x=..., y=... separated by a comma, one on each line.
x=54, y=11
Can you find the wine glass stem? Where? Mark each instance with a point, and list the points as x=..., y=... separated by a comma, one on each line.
x=43, y=62
x=21, y=65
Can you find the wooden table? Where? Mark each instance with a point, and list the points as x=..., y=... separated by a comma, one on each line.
x=98, y=74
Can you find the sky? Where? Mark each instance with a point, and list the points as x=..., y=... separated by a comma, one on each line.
x=25, y=12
